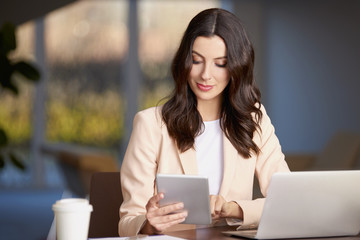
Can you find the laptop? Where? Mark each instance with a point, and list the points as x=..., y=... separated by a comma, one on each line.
x=309, y=204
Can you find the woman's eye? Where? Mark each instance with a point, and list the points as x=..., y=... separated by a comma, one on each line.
x=221, y=64
x=196, y=61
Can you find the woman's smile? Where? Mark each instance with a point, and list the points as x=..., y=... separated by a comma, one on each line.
x=204, y=88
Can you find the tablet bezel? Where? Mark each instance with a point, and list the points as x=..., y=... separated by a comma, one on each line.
x=192, y=190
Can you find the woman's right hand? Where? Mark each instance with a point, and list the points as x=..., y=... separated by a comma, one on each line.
x=160, y=218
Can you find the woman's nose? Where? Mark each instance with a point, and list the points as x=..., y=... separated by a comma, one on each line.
x=206, y=73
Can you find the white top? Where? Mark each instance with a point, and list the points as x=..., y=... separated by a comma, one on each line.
x=210, y=155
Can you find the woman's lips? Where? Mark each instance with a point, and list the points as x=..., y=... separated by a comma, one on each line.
x=204, y=87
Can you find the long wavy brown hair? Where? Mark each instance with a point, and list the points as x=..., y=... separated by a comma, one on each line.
x=240, y=112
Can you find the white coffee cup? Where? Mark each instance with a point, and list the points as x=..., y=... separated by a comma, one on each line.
x=72, y=217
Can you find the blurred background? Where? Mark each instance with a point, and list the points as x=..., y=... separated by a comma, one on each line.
x=101, y=61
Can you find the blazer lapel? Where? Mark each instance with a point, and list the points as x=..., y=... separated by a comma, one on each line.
x=188, y=162
x=230, y=157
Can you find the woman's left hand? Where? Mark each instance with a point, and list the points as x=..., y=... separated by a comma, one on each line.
x=216, y=204
x=219, y=208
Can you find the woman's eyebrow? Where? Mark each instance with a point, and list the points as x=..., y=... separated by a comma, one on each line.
x=195, y=52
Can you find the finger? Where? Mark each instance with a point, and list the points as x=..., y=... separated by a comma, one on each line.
x=162, y=227
x=172, y=208
x=154, y=201
x=162, y=223
x=226, y=209
x=218, y=205
x=156, y=198
x=216, y=202
x=212, y=204
x=231, y=209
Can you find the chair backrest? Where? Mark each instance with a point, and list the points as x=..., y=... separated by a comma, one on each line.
x=340, y=153
x=106, y=198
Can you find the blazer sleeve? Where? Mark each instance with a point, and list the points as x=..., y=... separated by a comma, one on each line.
x=138, y=171
x=270, y=160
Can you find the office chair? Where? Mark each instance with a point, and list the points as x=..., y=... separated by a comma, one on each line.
x=340, y=153
x=105, y=197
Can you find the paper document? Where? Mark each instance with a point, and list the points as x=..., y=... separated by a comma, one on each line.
x=141, y=237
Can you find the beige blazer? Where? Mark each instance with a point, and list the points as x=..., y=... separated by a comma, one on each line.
x=151, y=151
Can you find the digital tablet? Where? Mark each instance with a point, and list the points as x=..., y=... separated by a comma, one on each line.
x=192, y=190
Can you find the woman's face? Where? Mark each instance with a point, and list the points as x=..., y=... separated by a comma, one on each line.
x=209, y=74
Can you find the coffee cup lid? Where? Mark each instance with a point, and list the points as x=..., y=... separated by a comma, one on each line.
x=72, y=204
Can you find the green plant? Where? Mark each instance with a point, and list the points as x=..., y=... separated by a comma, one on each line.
x=8, y=69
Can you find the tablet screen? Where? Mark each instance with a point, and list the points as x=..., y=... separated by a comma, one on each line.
x=192, y=190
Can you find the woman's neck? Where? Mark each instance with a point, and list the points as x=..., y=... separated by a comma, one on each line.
x=209, y=110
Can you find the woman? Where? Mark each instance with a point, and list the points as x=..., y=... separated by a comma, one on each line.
x=213, y=124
